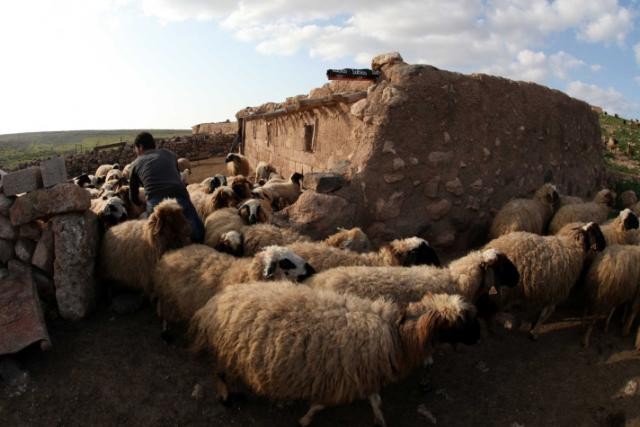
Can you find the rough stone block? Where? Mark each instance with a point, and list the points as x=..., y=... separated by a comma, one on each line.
x=6, y=251
x=43, y=254
x=5, y=204
x=323, y=182
x=75, y=239
x=319, y=215
x=24, y=249
x=62, y=198
x=53, y=171
x=7, y=231
x=31, y=231
x=21, y=181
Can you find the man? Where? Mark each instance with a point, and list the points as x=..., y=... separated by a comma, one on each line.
x=157, y=171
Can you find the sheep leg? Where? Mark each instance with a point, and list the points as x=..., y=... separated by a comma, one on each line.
x=220, y=386
x=306, y=420
x=587, y=334
x=378, y=417
x=606, y=324
x=544, y=315
x=629, y=323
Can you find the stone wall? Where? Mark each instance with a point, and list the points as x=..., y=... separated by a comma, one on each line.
x=214, y=128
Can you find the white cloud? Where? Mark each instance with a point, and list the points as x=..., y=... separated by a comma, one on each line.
x=609, y=27
x=537, y=66
x=637, y=80
x=609, y=99
x=636, y=50
x=595, y=67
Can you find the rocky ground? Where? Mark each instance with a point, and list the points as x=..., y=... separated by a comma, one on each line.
x=115, y=370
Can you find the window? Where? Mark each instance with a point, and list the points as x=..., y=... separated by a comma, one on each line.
x=268, y=134
x=309, y=138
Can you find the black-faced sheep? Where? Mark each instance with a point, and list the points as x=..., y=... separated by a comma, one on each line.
x=283, y=193
x=549, y=266
x=130, y=250
x=185, y=279
x=622, y=230
x=237, y=164
x=530, y=215
x=255, y=211
x=326, y=348
x=596, y=211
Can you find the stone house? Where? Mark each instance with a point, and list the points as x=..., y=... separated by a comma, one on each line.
x=427, y=152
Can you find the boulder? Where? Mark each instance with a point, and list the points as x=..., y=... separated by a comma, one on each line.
x=319, y=215
x=323, y=182
x=43, y=253
x=53, y=171
x=75, y=238
x=6, y=251
x=24, y=249
x=7, y=231
x=31, y=231
x=5, y=204
x=21, y=181
x=62, y=198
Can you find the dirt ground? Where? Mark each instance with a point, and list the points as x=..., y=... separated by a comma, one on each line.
x=115, y=370
x=201, y=169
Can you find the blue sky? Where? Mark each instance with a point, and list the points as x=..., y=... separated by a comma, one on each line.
x=105, y=64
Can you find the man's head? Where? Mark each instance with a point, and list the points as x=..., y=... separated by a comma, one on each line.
x=144, y=141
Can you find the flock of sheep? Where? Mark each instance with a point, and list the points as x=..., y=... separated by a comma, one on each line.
x=334, y=321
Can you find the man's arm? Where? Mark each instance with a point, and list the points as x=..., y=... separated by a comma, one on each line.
x=134, y=187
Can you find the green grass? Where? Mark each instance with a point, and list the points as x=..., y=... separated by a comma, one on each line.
x=23, y=147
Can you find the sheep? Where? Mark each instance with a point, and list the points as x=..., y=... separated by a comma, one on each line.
x=183, y=164
x=184, y=176
x=130, y=250
x=471, y=276
x=134, y=211
x=596, y=211
x=185, y=279
x=281, y=340
x=220, y=222
x=113, y=175
x=237, y=164
x=110, y=211
x=549, y=266
x=530, y=215
x=208, y=185
x=353, y=239
x=570, y=200
x=255, y=211
x=612, y=280
x=621, y=230
x=126, y=172
x=284, y=193
x=103, y=170
x=264, y=171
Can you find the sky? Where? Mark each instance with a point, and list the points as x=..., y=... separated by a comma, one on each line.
x=148, y=64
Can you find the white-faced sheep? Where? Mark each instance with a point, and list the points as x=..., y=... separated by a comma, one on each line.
x=264, y=171
x=113, y=175
x=255, y=211
x=295, y=357
x=283, y=193
x=471, y=276
x=353, y=239
x=110, y=211
x=185, y=279
x=249, y=240
x=530, y=215
x=208, y=185
x=183, y=164
x=133, y=211
x=596, y=211
x=103, y=170
x=237, y=164
x=549, y=266
x=220, y=222
x=130, y=250
x=613, y=279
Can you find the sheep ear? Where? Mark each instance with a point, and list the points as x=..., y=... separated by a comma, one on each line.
x=422, y=255
x=553, y=197
x=465, y=331
x=631, y=221
x=593, y=237
x=270, y=270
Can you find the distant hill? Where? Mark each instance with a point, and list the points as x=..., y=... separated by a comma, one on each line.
x=16, y=148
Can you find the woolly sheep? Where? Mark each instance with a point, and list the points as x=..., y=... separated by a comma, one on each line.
x=219, y=222
x=183, y=164
x=185, y=279
x=237, y=164
x=295, y=358
x=133, y=211
x=255, y=211
x=249, y=240
x=596, y=211
x=222, y=197
x=208, y=185
x=184, y=176
x=103, y=170
x=622, y=230
x=110, y=210
x=549, y=266
x=570, y=200
x=471, y=276
x=284, y=193
x=113, y=175
x=130, y=250
x=264, y=171
x=530, y=215
x=612, y=280
x=353, y=239
x=126, y=171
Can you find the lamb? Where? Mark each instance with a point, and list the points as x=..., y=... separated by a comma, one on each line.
x=353, y=239
x=220, y=222
x=264, y=171
x=103, y=170
x=183, y=164
x=549, y=266
x=110, y=211
x=185, y=279
x=130, y=250
x=471, y=276
x=612, y=280
x=596, y=211
x=255, y=211
x=237, y=164
x=530, y=215
x=295, y=358
x=284, y=193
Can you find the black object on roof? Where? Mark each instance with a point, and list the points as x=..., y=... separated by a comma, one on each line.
x=353, y=74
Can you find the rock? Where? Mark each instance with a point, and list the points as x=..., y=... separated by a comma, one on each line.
x=75, y=239
x=628, y=198
x=319, y=215
x=388, y=147
x=197, y=392
x=414, y=161
x=4, y=273
x=323, y=182
x=393, y=96
x=390, y=58
x=391, y=178
x=31, y=231
x=455, y=187
x=482, y=367
x=62, y=198
x=15, y=380
x=7, y=231
x=24, y=249
x=630, y=389
x=357, y=108
x=439, y=209
x=389, y=208
x=440, y=158
x=5, y=204
x=477, y=185
x=53, y=171
x=43, y=253
x=44, y=285
x=6, y=251
x=431, y=187
x=22, y=181
x=398, y=163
